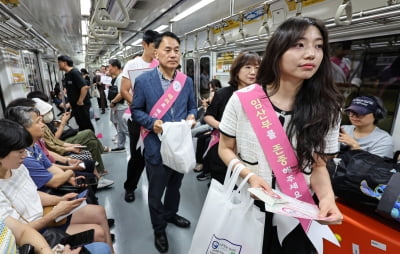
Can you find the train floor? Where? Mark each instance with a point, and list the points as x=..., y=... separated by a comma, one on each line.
x=133, y=230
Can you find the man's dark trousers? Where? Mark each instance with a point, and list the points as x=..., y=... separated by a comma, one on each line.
x=163, y=178
x=136, y=162
x=82, y=117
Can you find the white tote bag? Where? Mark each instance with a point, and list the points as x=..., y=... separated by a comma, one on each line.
x=177, y=151
x=229, y=222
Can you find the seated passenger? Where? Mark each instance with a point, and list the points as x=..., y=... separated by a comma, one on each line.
x=85, y=138
x=45, y=174
x=15, y=233
x=20, y=199
x=61, y=105
x=75, y=154
x=364, y=112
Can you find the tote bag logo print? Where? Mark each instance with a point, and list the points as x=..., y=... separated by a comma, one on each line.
x=221, y=245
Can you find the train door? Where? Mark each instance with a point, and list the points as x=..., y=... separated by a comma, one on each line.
x=188, y=69
x=198, y=68
x=203, y=77
x=31, y=67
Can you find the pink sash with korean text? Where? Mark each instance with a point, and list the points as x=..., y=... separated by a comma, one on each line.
x=152, y=65
x=276, y=145
x=166, y=100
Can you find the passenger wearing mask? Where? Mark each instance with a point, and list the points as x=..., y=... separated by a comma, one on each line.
x=296, y=91
x=45, y=174
x=364, y=113
x=20, y=199
x=166, y=84
x=73, y=144
x=243, y=72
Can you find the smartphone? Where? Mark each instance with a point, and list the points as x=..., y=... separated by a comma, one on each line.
x=83, y=194
x=80, y=146
x=79, y=239
x=87, y=180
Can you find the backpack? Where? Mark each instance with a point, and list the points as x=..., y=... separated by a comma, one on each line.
x=112, y=92
x=367, y=181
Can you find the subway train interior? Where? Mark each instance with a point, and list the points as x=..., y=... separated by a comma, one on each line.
x=212, y=33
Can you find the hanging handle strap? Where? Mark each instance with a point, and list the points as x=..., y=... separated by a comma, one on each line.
x=345, y=6
x=264, y=26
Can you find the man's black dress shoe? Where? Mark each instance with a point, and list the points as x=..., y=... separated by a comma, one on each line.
x=129, y=196
x=179, y=221
x=161, y=241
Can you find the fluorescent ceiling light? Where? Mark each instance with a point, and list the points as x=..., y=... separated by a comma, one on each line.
x=128, y=48
x=84, y=27
x=85, y=7
x=161, y=28
x=137, y=42
x=192, y=9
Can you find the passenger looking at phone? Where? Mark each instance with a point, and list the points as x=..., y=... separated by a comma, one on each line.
x=16, y=233
x=45, y=174
x=62, y=105
x=213, y=86
x=84, y=155
x=364, y=113
x=84, y=145
x=243, y=72
x=20, y=199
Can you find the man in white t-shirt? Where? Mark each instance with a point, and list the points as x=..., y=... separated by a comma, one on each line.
x=119, y=105
x=136, y=162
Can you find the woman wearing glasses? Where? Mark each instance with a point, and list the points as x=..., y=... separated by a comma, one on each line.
x=364, y=113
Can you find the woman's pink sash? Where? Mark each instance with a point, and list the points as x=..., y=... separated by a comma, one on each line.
x=282, y=159
x=276, y=145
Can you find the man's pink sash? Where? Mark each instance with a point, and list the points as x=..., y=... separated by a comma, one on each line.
x=166, y=100
x=276, y=145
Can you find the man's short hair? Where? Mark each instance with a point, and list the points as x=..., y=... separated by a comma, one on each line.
x=150, y=36
x=115, y=62
x=21, y=115
x=67, y=59
x=159, y=38
x=84, y=71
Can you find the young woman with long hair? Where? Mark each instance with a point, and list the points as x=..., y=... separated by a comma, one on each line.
x=295, y=77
